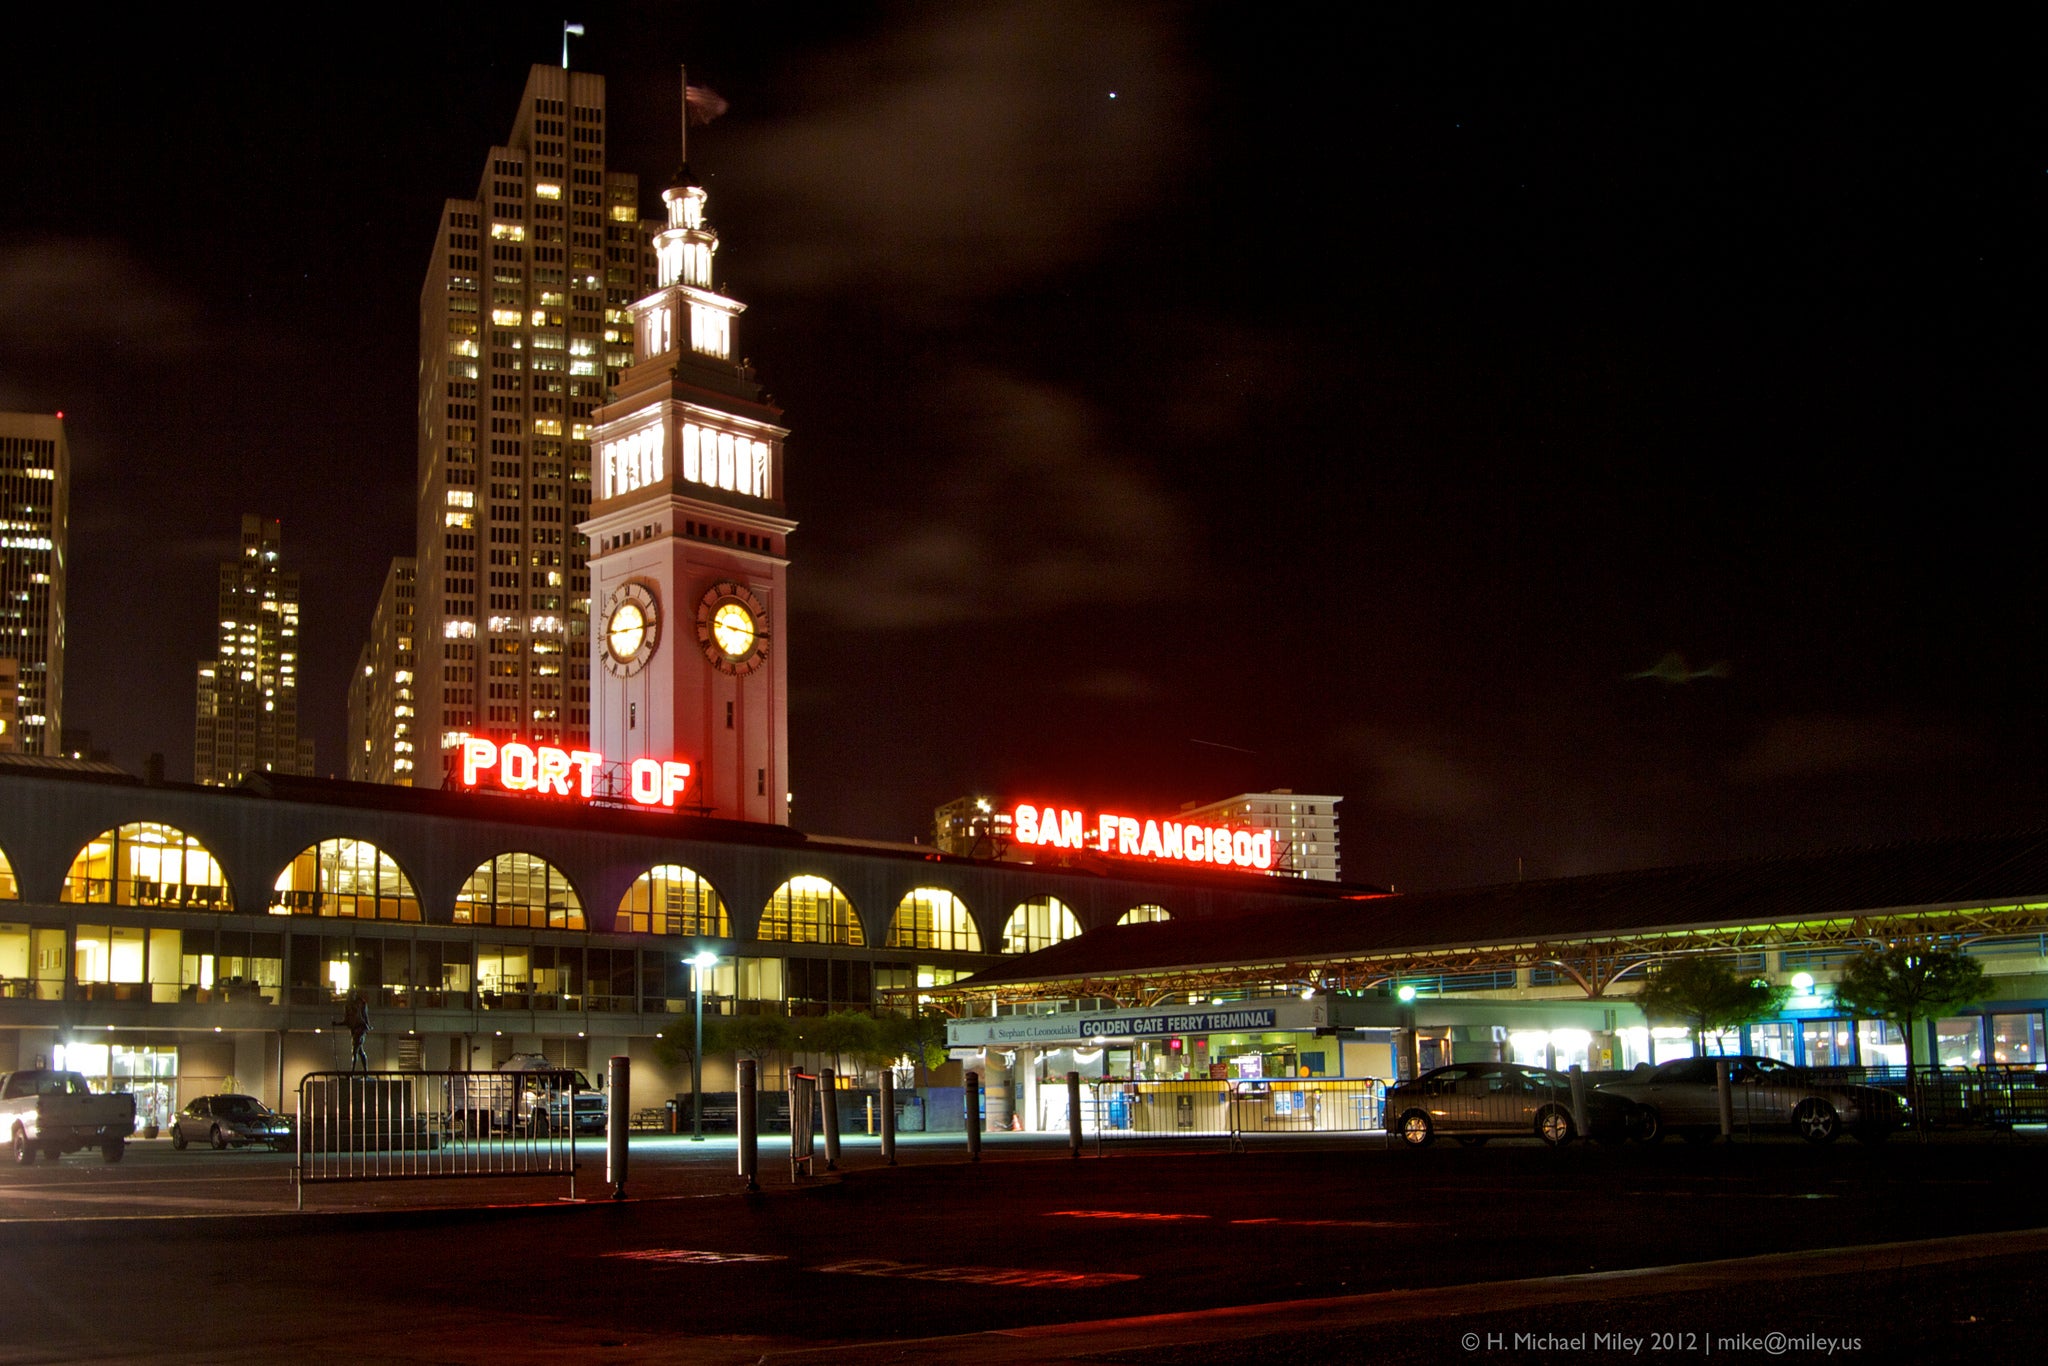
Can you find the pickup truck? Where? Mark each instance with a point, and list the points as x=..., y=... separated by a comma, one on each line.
x=527, y=1095
x=52, y=1113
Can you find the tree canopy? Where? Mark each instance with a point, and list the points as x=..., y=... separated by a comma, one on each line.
x=1906, y=983
x=1706, y=995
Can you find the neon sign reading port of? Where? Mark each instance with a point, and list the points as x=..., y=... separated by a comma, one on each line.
x=1130, y=837
x=547, y=771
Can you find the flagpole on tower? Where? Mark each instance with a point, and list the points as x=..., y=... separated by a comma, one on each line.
x=684, y=86
x=567, y=29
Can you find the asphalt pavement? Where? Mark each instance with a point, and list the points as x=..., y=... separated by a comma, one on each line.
x=1288, y=1252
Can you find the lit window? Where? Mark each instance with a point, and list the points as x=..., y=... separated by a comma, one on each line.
x=810, y=910
x=519, y=889
x=350, y=879
x=933, y=918
x=1144, y=915
x=669, y=899
x=148, y=864
x=1038, y=924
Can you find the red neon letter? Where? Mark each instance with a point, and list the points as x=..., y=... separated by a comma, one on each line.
x=554, y=771
x=646, y=784
x=1025, y=823
x=1072, y=834
x=674, y=774
x=587, y=762
x=515, y=766
x=477, y=754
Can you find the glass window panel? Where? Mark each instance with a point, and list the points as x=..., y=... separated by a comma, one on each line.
x=1144, y=915
x=147, y=864
x=810, y=910
x=522, y=890
x=9, y=890
x=669, y=899
x=1959, y=1041
x=933, y=918
x=2018, y=1039
x=1038, y=924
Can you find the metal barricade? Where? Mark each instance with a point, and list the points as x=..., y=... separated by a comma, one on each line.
x=1231, y=1110
x=387, y=1126
x=803, y=1113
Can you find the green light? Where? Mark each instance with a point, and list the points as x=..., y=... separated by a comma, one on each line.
x=1406, y=993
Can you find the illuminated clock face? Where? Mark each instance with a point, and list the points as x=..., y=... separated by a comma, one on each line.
x=732, y=626
x=632, y=628
x=628, y=629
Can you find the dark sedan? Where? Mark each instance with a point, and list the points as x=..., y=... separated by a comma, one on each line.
x=1475, y=1101
x=230, y=1122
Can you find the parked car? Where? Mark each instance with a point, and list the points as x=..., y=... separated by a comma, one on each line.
x=230, y=1122
x=50, y=1113
x=1475, y=1101
x=1683, y=1097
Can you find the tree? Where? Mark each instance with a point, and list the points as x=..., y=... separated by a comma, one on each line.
x=920, y=1037
x=1904, y=984
x=1705, y=995
x=753, y=1036
x=846, y=1034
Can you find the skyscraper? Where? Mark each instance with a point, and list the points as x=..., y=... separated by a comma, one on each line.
x=35, y=513
x=689, y=542
x=248, y=696
x=1304, y=827
x=383, y=693
x=524, y=323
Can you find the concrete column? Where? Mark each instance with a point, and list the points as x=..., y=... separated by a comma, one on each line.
x=1024, y=1084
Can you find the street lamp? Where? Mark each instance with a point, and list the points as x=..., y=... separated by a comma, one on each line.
x=702, y=962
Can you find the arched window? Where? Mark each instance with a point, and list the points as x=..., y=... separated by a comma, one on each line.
x=519, y=889
x=1038, y=924
x=933, y=918
x=810, y=910
x=147, y=864
x=352, y=879
x=1144, y=915
x=669, y=899
x=10, y=890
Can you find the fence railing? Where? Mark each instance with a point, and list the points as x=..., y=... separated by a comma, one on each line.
x=1231, y=1110
x=1989, y=1096
x=386, y=1126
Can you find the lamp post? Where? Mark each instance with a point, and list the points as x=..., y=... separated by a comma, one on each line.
x=704, y=960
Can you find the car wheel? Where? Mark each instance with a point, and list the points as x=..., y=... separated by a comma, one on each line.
x=1554, y=1127
x=1473, y=1140
x=219, y=1139
x=177, y=1138
x=1649, y=1125
x=1415, y=1130
x=24, y=1151
x=1817, y=1121
x=113, y=1150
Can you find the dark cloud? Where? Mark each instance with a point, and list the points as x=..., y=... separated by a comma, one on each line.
x=975, y=148
x=1794, y=747
x=90, y=296
x=1415, y=777
x=1041, y=513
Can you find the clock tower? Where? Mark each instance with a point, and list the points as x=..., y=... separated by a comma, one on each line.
x=689, y=542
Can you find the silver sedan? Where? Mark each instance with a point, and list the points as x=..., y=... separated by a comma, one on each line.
x=1683, y=1097
x=230, y=1122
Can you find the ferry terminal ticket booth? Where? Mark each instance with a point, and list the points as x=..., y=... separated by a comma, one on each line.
x=1023, y=1060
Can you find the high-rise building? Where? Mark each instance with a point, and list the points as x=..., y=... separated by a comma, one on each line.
x=524, y=323
x=1304, y=827
x=973, y=827
x=35, y=514
x=689, y=540
x=10, y=706
x=383, y=693
x=248, y=696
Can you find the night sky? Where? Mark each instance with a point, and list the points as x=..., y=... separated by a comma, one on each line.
x=1186, y=399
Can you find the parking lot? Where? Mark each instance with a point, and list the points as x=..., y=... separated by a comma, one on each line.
x=1027, y=1243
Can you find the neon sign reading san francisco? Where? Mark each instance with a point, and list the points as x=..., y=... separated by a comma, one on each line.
x=547, y=771
x=1130, y=837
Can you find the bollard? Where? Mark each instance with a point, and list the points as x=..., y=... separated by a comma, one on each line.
x=888, y=1117
x=828, y=1100
x=618, y=1123
x=1578, y=1075
x=1073, y=1114
x=1727, y=1099
x=971, y=1087
x=749, y=1123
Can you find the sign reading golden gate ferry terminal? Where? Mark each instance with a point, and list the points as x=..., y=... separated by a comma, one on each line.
x=1130, y=837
